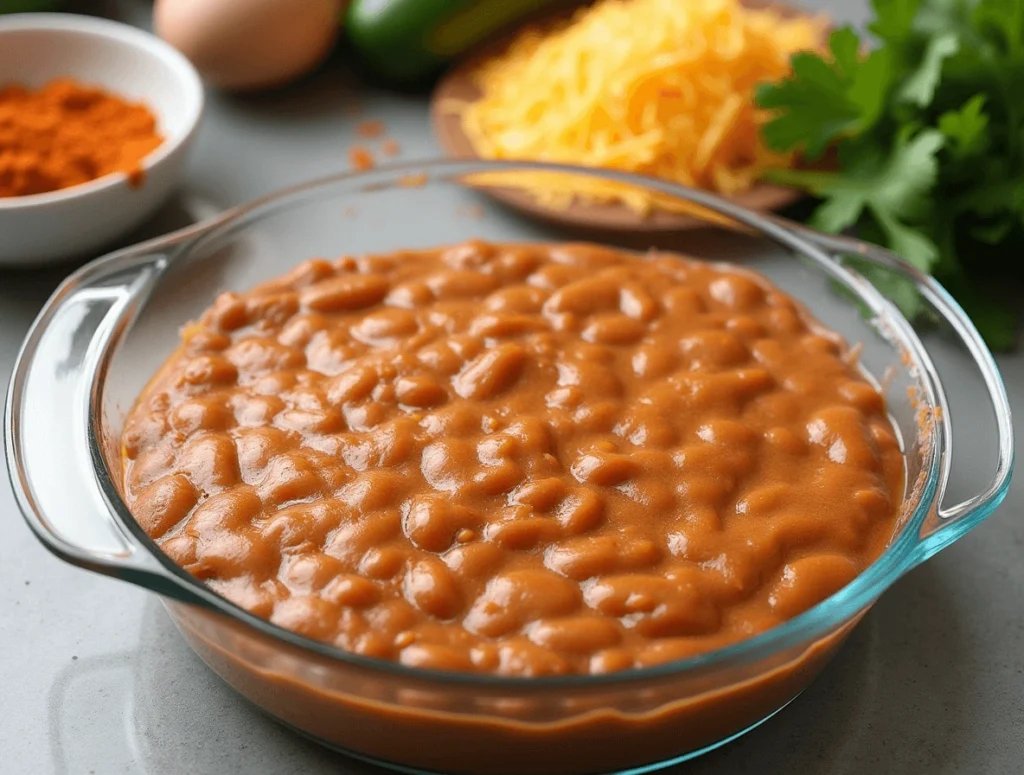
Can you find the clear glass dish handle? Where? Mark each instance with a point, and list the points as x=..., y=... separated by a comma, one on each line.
x=951, y=521
x=48, y=425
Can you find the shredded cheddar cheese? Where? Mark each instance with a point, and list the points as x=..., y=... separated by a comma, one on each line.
x=657, y=87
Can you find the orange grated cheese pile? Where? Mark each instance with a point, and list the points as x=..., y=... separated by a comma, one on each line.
x=657, y=87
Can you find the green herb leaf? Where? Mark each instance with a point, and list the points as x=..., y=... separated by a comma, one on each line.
x=994, y=198
x=929, y=133
x=935, y=17
x=905, y=184
x=965, y=129
x=869, y=87
x=919, y=88
x=845, y=47
x=1002, y=22
x=838, y=212
x=824, y=100
x=907, y=242
x=893, y=188
x=894, y=19
x=897, y=288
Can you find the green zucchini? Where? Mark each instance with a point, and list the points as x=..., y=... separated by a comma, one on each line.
x=409, y=41
x=21, y=6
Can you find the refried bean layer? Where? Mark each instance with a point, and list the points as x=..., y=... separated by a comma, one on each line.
x=515, y=459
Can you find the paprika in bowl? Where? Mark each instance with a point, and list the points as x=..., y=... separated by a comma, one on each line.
x=96, y=119
x=96, y=346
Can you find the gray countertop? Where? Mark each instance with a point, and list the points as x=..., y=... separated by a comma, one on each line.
x=95, y=679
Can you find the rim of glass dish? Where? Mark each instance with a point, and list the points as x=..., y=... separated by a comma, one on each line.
x=801, y=630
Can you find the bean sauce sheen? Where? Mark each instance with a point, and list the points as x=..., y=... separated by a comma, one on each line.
x=515, y=459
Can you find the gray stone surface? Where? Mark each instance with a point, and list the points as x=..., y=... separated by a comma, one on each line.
x=95, y=679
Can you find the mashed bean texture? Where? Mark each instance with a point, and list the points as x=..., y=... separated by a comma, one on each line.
x=515, y=459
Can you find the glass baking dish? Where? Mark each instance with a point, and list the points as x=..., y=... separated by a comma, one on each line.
x=112, y=323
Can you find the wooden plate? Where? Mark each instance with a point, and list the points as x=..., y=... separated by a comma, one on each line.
x=458, y=85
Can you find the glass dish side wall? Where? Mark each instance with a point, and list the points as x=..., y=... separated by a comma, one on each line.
x=539, y=730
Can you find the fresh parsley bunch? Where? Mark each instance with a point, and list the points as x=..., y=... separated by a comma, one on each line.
x=928, y=129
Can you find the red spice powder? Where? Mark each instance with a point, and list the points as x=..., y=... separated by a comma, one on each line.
x=360, y=158
x=68, y=133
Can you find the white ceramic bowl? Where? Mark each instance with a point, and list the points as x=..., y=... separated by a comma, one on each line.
x=71, y=222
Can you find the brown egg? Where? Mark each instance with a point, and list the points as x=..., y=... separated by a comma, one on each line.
x=250, y=44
